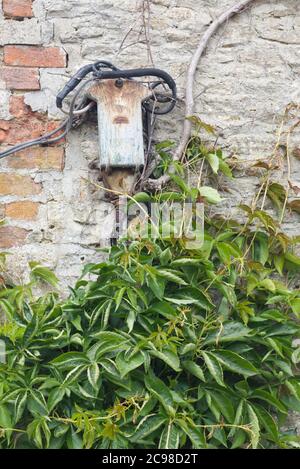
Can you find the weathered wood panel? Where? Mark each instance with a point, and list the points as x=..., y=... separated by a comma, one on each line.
x=120, y=122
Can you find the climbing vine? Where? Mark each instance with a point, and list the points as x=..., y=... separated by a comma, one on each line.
x=162, y=345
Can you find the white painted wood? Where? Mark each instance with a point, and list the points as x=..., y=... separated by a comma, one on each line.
x=120, y=123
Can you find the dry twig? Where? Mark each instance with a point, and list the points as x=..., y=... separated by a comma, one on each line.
x=157, y=184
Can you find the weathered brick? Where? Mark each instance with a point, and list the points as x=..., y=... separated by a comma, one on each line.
x=35, y=56
x=14, y=184
x=17, y=107
x=2, y=135
x=17, y=78
x=39, y=158
x=11, y=236
x=27, y=125
x=2, y=211
x=23, y=210
x=17, y=8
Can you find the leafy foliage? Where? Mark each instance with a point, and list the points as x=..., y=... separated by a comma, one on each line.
x=160, y=345
x=196, y=352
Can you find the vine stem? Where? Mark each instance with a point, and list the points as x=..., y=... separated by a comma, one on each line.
x=157, y=184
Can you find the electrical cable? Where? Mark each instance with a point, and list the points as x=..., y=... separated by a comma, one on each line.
x=46, y=139
x=75, y=111
x=38, y=141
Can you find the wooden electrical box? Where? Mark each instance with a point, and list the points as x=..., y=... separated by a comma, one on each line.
x=120, y=122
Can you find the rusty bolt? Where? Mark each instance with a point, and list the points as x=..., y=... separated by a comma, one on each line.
x=119, y=83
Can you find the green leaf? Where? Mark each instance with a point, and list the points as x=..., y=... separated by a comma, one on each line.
x=164, y=309
x=170, y=437
x=267, y=422
x=157, y=285
x=7, y=308
x=214, y=162
x=292, y=258
x=189, y=296
x=43, y=273
x=140, y=197
x=237, y=419
x=228, y=252
x=119, y=296
x=295, y=305
x=147, y=426
x=255, y=429
x=180, y=183
x=70, y=359
x=261, y=248
x=279, y=263
x=55, y=397
x=224, y=404
x=214, y=367
x=267, y=284
x=296, y=356
x=161, y=392
x=270, y=399
x=235, y=363
x=225, y=169
x=107, y=342
x=275, y=345
x=74, y=440
x=211, y=194
x=274, y=315
x=239, y=439
x=165, y=256
x=170, y=196
x=185, y=261
x=73, y=375
x=169, y=357
x=196, y=435
x=126, y=365
x=194, y=369
x=231, y=331
x=37, y=404
x=6, y=420
x=172, y=276
x=20, y=404
x=93, y=374
x=130, y=320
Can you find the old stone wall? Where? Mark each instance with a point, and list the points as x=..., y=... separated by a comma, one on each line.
x=250, y=73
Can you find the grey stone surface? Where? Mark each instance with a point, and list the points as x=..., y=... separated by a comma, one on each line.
x=20, y=32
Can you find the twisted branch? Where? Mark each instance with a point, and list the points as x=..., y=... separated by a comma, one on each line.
x=157, y=184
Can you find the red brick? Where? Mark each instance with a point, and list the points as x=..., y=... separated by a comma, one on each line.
x=17, y=78
x=18, y=108
x=14, y=184
x=11, y=236
x=4, y=125
x=17, y=8
x=38, y=158
x=2, y=135
x=27, y=125
x=34, y=56
x=24, y=210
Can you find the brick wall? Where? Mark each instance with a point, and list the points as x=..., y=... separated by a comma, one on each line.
x=249, y=74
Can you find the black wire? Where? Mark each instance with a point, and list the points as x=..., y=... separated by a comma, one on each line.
x=45, y=139
x=38, y=141
x=98, y=73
